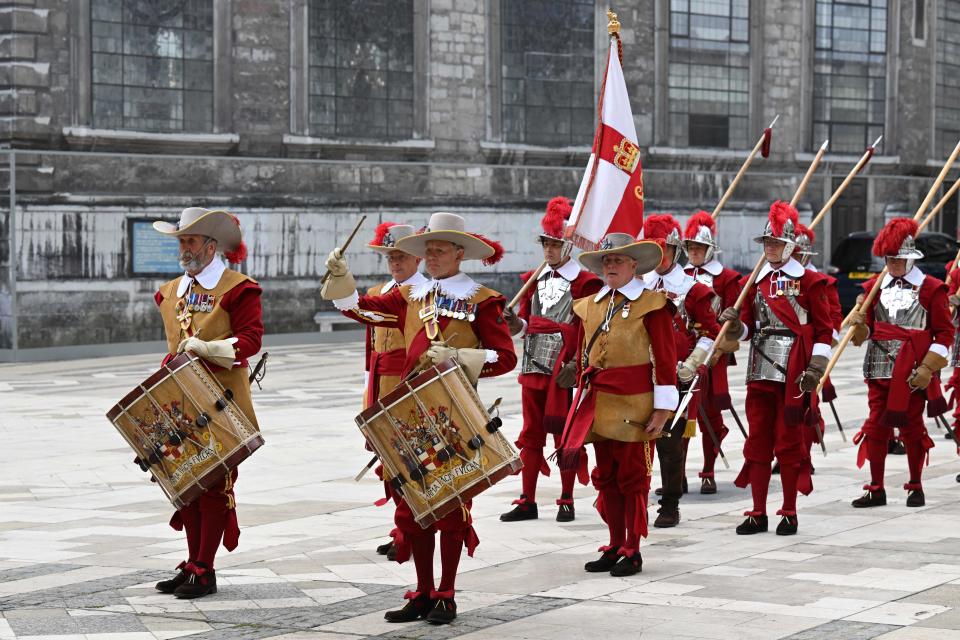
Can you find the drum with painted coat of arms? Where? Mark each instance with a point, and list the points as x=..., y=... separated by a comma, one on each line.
x=438, y=445
x=185, y=428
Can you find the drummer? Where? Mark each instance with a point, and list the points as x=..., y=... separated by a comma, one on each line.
x=449, y=315
x=215, y=313
x=385, y=349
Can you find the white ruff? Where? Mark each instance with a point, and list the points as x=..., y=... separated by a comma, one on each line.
x=208, y=278
x=676, y=281
x=458, y=287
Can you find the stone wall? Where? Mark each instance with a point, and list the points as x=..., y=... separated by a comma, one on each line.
x=77, y=187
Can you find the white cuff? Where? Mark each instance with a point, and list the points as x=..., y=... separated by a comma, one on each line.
x=821, y=349
x=938, y=349
x=704, y=343
x=665, y=396
x=366, y=379
x=348, y=303
x=523, y=331
x=744, y=332
x=836, y=335
x=492, y=356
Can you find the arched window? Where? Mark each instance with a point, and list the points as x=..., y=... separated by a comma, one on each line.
x=547, y=49
x=850, y=73
x=948, y=78
x=709, y=76
x=152, y=64
x=361, y=68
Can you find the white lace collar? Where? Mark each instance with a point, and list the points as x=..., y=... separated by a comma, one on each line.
x=416, y=278
x=568, y=271
x=458, y=287
x=208, y=278
x=713, y=267
x=792, y=268
x=675, y=281
x=914, y=277
x=631, y=290
x=811, y=267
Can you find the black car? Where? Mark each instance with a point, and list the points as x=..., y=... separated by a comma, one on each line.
x=853, y=262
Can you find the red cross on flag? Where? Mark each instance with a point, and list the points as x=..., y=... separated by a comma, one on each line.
x=611, y=192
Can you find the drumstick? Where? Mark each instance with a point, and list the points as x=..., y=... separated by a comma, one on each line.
x=369, y=466
x=343, y=249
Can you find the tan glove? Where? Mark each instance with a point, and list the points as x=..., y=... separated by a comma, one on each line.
x=514, y=324
x=219, y=352
x=567, y=376
x=931, y=364
x=857, y=323
x=687, y=369
x=471, y=360
x=340, y=284
x=810, y=378
x=735, y=330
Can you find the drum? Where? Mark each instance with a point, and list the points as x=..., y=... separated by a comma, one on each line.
x=438, y=445
x=185, y=429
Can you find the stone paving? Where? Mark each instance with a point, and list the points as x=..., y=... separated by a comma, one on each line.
x=84, y=535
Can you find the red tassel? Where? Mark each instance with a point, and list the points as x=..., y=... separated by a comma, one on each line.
x=659, y=226
x=381, y=232
x=697, y=220
x=237, y=256
x=493, y=244
x=765, y=147
x=558, y=211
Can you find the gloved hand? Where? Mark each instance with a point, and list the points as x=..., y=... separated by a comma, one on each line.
x=954, y=300
x=735, y=329
x=470, y=360
x=931, y=364
x=810, y=378
x=514, y=324
x=857, y=323
x=340, y=284
x=687, y=369
x=219, y=352
x=567, y=376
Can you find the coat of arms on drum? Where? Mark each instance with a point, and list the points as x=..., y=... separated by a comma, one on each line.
x=425, y=435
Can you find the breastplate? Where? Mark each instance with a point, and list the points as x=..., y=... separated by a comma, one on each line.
x=553, y=301
x=772, y=341
x=900, y=306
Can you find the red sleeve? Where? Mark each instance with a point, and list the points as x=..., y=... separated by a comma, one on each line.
x=246, y=318
x=819, y=310
x=939, y=319
x=954, y=277
x=836, y=311
x=527, y=300
x=495, y=336
x=586, y=284
x=700, y=310
x=730, y=289
x=158, y=298
x=659, y=326
x=386, y=310
x=367, y=348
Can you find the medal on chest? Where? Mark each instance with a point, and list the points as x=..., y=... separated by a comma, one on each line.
x=439, y=306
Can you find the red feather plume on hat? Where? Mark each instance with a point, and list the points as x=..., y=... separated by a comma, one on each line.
x=804, y=230
x=697, y=220
x=659, y=226
x=558, y=212
x=892, y=236
x=780, y=213
x=238, y=255
x=493, y=244
x=380, y=233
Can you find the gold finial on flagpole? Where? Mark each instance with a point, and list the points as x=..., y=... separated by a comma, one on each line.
x=613, y=26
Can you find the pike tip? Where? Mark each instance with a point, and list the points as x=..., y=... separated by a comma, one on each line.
x=876, y=142
x=774, y=121
x=826, y=143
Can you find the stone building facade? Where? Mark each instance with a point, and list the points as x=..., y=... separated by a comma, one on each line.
x=301, y=115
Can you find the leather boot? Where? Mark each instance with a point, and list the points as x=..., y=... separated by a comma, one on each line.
x=200, y=582
x=169, y=586
x=414, y=609
x=871, y=498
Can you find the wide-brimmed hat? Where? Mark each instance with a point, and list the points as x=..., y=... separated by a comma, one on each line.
x=217, y=224
x=647, y=253
x=387, y=235
x=450, y=227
